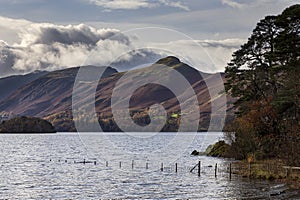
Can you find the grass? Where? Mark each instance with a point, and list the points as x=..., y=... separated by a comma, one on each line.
x=271, y=170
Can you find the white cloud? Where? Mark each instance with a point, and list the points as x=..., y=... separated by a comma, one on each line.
x=7, y=59
x=44, y=46
x=13, y=23
x=122, y=4
x=175, y=4
x=136, y=4
x=49, y=47
x=3, y=43
x=227, y=43
x=232, y=3
x=205, y=55
x=9, y=28
x=256, y=3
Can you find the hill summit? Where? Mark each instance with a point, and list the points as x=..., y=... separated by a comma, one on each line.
x=169, y=61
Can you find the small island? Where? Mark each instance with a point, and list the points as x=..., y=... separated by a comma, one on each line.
x=26, y=125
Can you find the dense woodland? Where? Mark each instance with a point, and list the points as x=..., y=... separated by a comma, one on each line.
x=26, y=125
x=264, y=77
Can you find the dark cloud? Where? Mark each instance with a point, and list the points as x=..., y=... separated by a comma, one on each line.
x=83, y=34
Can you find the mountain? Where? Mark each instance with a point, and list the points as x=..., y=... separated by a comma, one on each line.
x=46, y=95
x=138, y=59
x=50, y=97
x=10, y=84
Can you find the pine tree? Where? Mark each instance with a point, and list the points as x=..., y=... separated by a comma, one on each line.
x=264, y=77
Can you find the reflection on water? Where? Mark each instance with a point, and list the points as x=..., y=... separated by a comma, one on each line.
x=42, y=167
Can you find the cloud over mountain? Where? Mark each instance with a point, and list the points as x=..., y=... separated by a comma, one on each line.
x=50, y=47
x=6, y=59
x=205, y=55
x=45, y=46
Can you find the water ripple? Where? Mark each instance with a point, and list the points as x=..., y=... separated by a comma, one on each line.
x=43, y=167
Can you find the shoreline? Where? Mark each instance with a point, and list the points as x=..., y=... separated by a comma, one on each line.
x=271, y=170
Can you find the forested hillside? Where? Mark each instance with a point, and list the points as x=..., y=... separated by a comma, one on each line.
x=264, y=77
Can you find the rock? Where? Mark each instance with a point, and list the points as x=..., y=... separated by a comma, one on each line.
x=208, y=149
x=195, y=153
x=198, y=153
x=220, y=149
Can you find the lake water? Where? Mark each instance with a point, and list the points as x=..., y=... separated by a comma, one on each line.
x=46, y=167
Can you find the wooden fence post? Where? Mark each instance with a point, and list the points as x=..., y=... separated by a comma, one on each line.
x=194, y=167
x=199, y=168
x=132, y=164
x=250, y=170
x=230, y=171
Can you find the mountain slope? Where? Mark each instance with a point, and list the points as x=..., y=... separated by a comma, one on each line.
x=50, y=97
x=10, y=84
x=46, y=95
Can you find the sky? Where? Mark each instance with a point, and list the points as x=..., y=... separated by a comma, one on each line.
x=50, y=35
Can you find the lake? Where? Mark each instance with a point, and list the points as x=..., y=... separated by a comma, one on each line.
x=127, y=167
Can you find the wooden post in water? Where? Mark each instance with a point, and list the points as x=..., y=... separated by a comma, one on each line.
x=162, y=167
x=176, y=166
x=288, y=171
x=199, y=168
x=230, y=171
x=106, y=163
x=147, y=166
x=132, y=164
x=249, y=170
x=120, y=164
x=95, y=162
x=216, y=169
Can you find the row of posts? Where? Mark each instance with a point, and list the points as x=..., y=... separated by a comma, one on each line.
x=216, y=169
x=162, y=167
x=120, y=164
x=147, y=166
